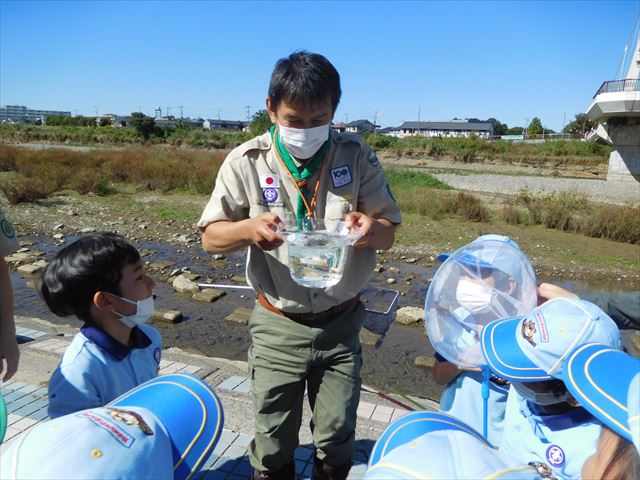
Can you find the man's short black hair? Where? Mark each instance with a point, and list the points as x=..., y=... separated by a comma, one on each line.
x=304, y=78
x=91, y=264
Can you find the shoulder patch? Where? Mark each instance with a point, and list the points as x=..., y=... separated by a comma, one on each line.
x=373, y=159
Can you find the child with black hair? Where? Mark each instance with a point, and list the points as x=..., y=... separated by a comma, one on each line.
x=101, y=280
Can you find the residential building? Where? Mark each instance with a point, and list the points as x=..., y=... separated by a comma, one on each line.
x=226, y=124
x=454, y=128
x=20, y=114
x=361, y=126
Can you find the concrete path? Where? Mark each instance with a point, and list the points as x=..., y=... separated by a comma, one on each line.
x=42, y=345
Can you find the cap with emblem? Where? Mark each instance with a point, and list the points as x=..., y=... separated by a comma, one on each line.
x=436, y=445
x=535, y=348
x=165, y=428
x=602, y=380
x=487, y=279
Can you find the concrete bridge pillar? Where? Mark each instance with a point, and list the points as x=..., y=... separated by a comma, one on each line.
x=624, y=161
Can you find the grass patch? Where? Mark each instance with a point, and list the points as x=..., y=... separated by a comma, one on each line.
x=571, y=212
x=39, y=173
x=179, y=213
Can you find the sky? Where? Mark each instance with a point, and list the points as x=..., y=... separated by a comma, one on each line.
x=398, y=60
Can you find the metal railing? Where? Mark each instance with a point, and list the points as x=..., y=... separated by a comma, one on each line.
x=625, y=85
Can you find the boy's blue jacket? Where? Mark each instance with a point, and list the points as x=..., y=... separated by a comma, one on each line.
x=95, y=369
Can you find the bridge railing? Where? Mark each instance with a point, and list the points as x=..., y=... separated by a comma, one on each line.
x=625, y=85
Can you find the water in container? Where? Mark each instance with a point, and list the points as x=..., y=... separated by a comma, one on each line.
x=316, y=259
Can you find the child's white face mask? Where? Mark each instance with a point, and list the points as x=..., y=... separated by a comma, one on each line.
x=303, y=143
x=473, y=296
x=144, y=310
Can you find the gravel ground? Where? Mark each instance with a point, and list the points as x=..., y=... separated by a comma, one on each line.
x=595, y=190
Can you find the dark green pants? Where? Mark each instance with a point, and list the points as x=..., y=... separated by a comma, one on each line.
x=284, y=358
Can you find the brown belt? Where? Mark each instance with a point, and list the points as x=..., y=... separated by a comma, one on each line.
x=309, y=318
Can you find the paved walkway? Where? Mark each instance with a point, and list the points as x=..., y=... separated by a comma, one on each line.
x=42, y=345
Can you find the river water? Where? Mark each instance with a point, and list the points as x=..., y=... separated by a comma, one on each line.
x=389, y=367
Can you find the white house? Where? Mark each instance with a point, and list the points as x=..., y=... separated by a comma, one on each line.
x=454, y=128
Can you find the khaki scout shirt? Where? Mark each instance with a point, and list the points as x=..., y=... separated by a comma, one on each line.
x=8, y=239
x=252, y=180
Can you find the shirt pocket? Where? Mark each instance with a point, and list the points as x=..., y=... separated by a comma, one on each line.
x=337, y=207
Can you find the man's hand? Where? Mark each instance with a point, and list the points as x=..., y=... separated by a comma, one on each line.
x=226, y=236
x=378, y=233
x=263, y=231
x=547, y=291
x=10, y=355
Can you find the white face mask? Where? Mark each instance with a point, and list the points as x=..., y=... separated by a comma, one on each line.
x=144, y=311
x=303, y=143
x=473, y=296
x=539, y=398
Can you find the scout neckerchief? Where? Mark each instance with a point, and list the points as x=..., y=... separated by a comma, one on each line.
x=300, y=174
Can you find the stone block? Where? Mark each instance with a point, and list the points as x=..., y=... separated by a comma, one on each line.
x=30, y=269
x=209, y=295
x=240, y=315
x=424, y=361
x=167, y=316
x=241, y=279
x=410, y=316
x=182, y=284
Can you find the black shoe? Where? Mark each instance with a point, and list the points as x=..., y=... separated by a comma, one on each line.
x=325, y=471
x=288, y=472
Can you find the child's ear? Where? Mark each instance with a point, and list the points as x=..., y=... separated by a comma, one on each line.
x=102, y=301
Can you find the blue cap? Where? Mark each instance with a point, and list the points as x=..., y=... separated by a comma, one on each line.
x=535, y=348
x=487, y=252
x=411, y=426
x=488, y=279
x=165, y=428
x=435, y=445
x=600, y=378
x=633, y=405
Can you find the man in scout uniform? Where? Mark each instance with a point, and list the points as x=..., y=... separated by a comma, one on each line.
x=302, y=337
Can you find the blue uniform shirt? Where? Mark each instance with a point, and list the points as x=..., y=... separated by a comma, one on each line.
x=562, y=441
x=96, y=369
x=462, y=398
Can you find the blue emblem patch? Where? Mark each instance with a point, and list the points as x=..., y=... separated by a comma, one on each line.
x=156, y=355
x=555, y=456
x=7, y=228
x=341, y=176
x=270, y=194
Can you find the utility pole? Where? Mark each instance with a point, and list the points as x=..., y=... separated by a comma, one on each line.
x=181, y=111
x=346, y=118
x=248, y=114
x=563, y=119
x=168, y=111
x=96, y=110
x=218, y=114
x=375, y=119
x=418, y=119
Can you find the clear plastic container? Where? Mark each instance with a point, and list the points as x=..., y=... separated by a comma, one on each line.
x=317, y=252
